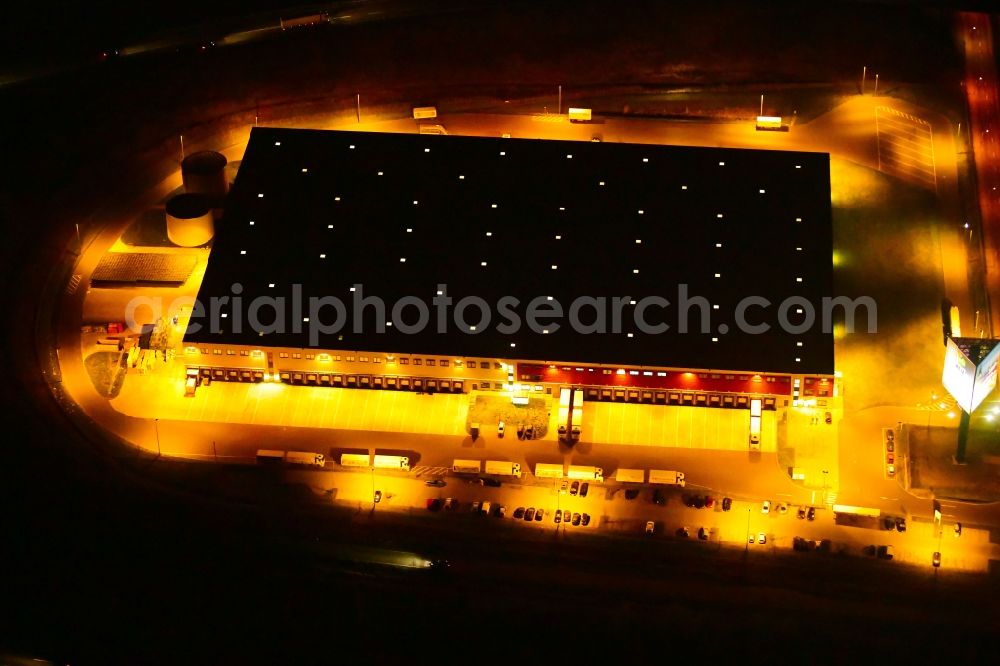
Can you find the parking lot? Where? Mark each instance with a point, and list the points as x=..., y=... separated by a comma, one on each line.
x=275, y=404
x=673, y=426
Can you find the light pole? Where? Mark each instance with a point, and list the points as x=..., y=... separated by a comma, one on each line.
x=876, y=86
x=156, y=428
x=746, y=539
x=761, y=105
x=864, y=72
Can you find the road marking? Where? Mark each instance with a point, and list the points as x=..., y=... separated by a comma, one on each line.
x=891, y=499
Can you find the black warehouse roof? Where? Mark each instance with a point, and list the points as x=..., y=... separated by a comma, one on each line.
x=397, y=215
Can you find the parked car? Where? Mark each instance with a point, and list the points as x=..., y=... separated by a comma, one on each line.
x=703, y=533
x=538, y=515
x=783, y=508
x=727, y=503
x=474, y=508
x=890, y=457
x=811, y=514
x=828, y=417
x=890, y=435
x=486, y=508
x=765, y=507
x=869, y=551
x=436, y=483
x=433, y=504
x=958, y=529
x=682, y=532
x=529, y=432
x=563, y=487
x=450, y=503
x=519, y=512
x=761, y=538
x=890, y=470
x=557, y=517
x=884, y=552
x=688, y=500
x=378, y=496
x=574, y=488
x=566, y=516
x=889, y=523
x=750, y=539
x=500, y=429
x=890, y=446
x=492, y=483
x=585, y=519
x=709, y=502
x=501, y=511
x=699, y=502
x=650, y=527
x=631, y=493
x=520, y=431
x=936, y=559
x=901, y=524
x=576, y=519
x=659, y=498
x=529, y=513
x=584, y=488
x=801, y=513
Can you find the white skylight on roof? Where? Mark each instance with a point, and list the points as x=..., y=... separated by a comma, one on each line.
x=554, y=267
x=251, y=223
x=322, y=256
x=277, y=143
x=719, y=215
x=243, y=251
x=558, y=237
x=493, y=205
x=351, y=146
x=601, y=183
x=482, y=263
x=722, y=164
x=630, y=335
x=305, y=170
x=489, y=233
x=427, y=150
x=402, y=260
x=260, y=196
x=718, y=245
x=641, y=212
x=762, y=191
x=569, y=157
x=329, y=226
x=645, y=159
x=638, y=241
x=635, y=270
x=270, y=285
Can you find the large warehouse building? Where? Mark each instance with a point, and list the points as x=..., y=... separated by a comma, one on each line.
x=638, y=272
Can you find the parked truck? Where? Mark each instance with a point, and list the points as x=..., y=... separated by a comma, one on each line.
x=503, y=468
x=291, y=457
x=549, y=471
x=392, y=462
x=586, y=473
x=755, y=406
x=667, y=477
x=630, y=475
x=466, y=466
